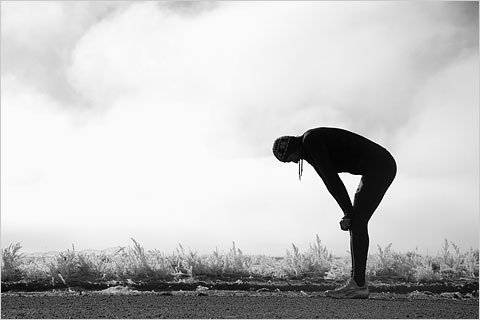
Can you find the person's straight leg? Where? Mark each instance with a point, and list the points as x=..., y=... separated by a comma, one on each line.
x=359, y=242
x=369, y=194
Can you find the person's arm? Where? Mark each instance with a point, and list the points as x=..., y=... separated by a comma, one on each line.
x=322, y=164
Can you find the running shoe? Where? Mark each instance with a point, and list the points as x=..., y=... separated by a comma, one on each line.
x=349, y=291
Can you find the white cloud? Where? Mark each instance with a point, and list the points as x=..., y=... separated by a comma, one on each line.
x=38, y=37
x=322, y=62
x=184, y=103
x=443, y=138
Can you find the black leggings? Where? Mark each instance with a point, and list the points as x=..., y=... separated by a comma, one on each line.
x=370, y=192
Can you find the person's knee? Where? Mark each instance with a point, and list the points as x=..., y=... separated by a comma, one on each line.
x=358, y=224
x=390, y=173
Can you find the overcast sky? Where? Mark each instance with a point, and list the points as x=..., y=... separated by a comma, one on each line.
x=155, y=120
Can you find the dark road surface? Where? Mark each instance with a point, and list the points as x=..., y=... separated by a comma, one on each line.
x=230, y=305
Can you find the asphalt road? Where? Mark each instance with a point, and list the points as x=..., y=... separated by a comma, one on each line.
x=230, y=305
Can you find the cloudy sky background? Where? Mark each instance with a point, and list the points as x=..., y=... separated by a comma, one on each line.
x=155, y=120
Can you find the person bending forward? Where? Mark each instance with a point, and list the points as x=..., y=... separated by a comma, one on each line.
x=331, y=151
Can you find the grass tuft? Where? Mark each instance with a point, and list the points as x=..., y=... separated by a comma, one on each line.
x=11, y=263
x=316, y=262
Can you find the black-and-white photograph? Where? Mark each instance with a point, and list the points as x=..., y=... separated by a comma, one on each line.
x=240, y=159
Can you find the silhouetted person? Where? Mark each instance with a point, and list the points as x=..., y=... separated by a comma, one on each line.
x=331, y=151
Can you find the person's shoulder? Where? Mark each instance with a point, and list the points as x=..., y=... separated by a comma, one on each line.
x=314, y=135
x=317, y=132
x=329, y=131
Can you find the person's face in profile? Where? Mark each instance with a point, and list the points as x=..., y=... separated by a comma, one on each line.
x=294, y=157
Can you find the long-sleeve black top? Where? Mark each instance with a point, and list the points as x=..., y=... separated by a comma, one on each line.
x=331, y=151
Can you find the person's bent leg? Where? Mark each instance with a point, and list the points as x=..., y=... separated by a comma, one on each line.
x=369, y=194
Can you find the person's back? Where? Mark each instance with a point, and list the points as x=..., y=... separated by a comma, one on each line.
x=348, y=151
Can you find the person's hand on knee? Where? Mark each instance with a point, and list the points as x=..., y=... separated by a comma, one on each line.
x=345, y=223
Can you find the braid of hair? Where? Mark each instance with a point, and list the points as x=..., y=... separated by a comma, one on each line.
x=300, y=169
x=285, y=149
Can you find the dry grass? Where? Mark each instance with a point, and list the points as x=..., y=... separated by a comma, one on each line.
x=135, y=263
